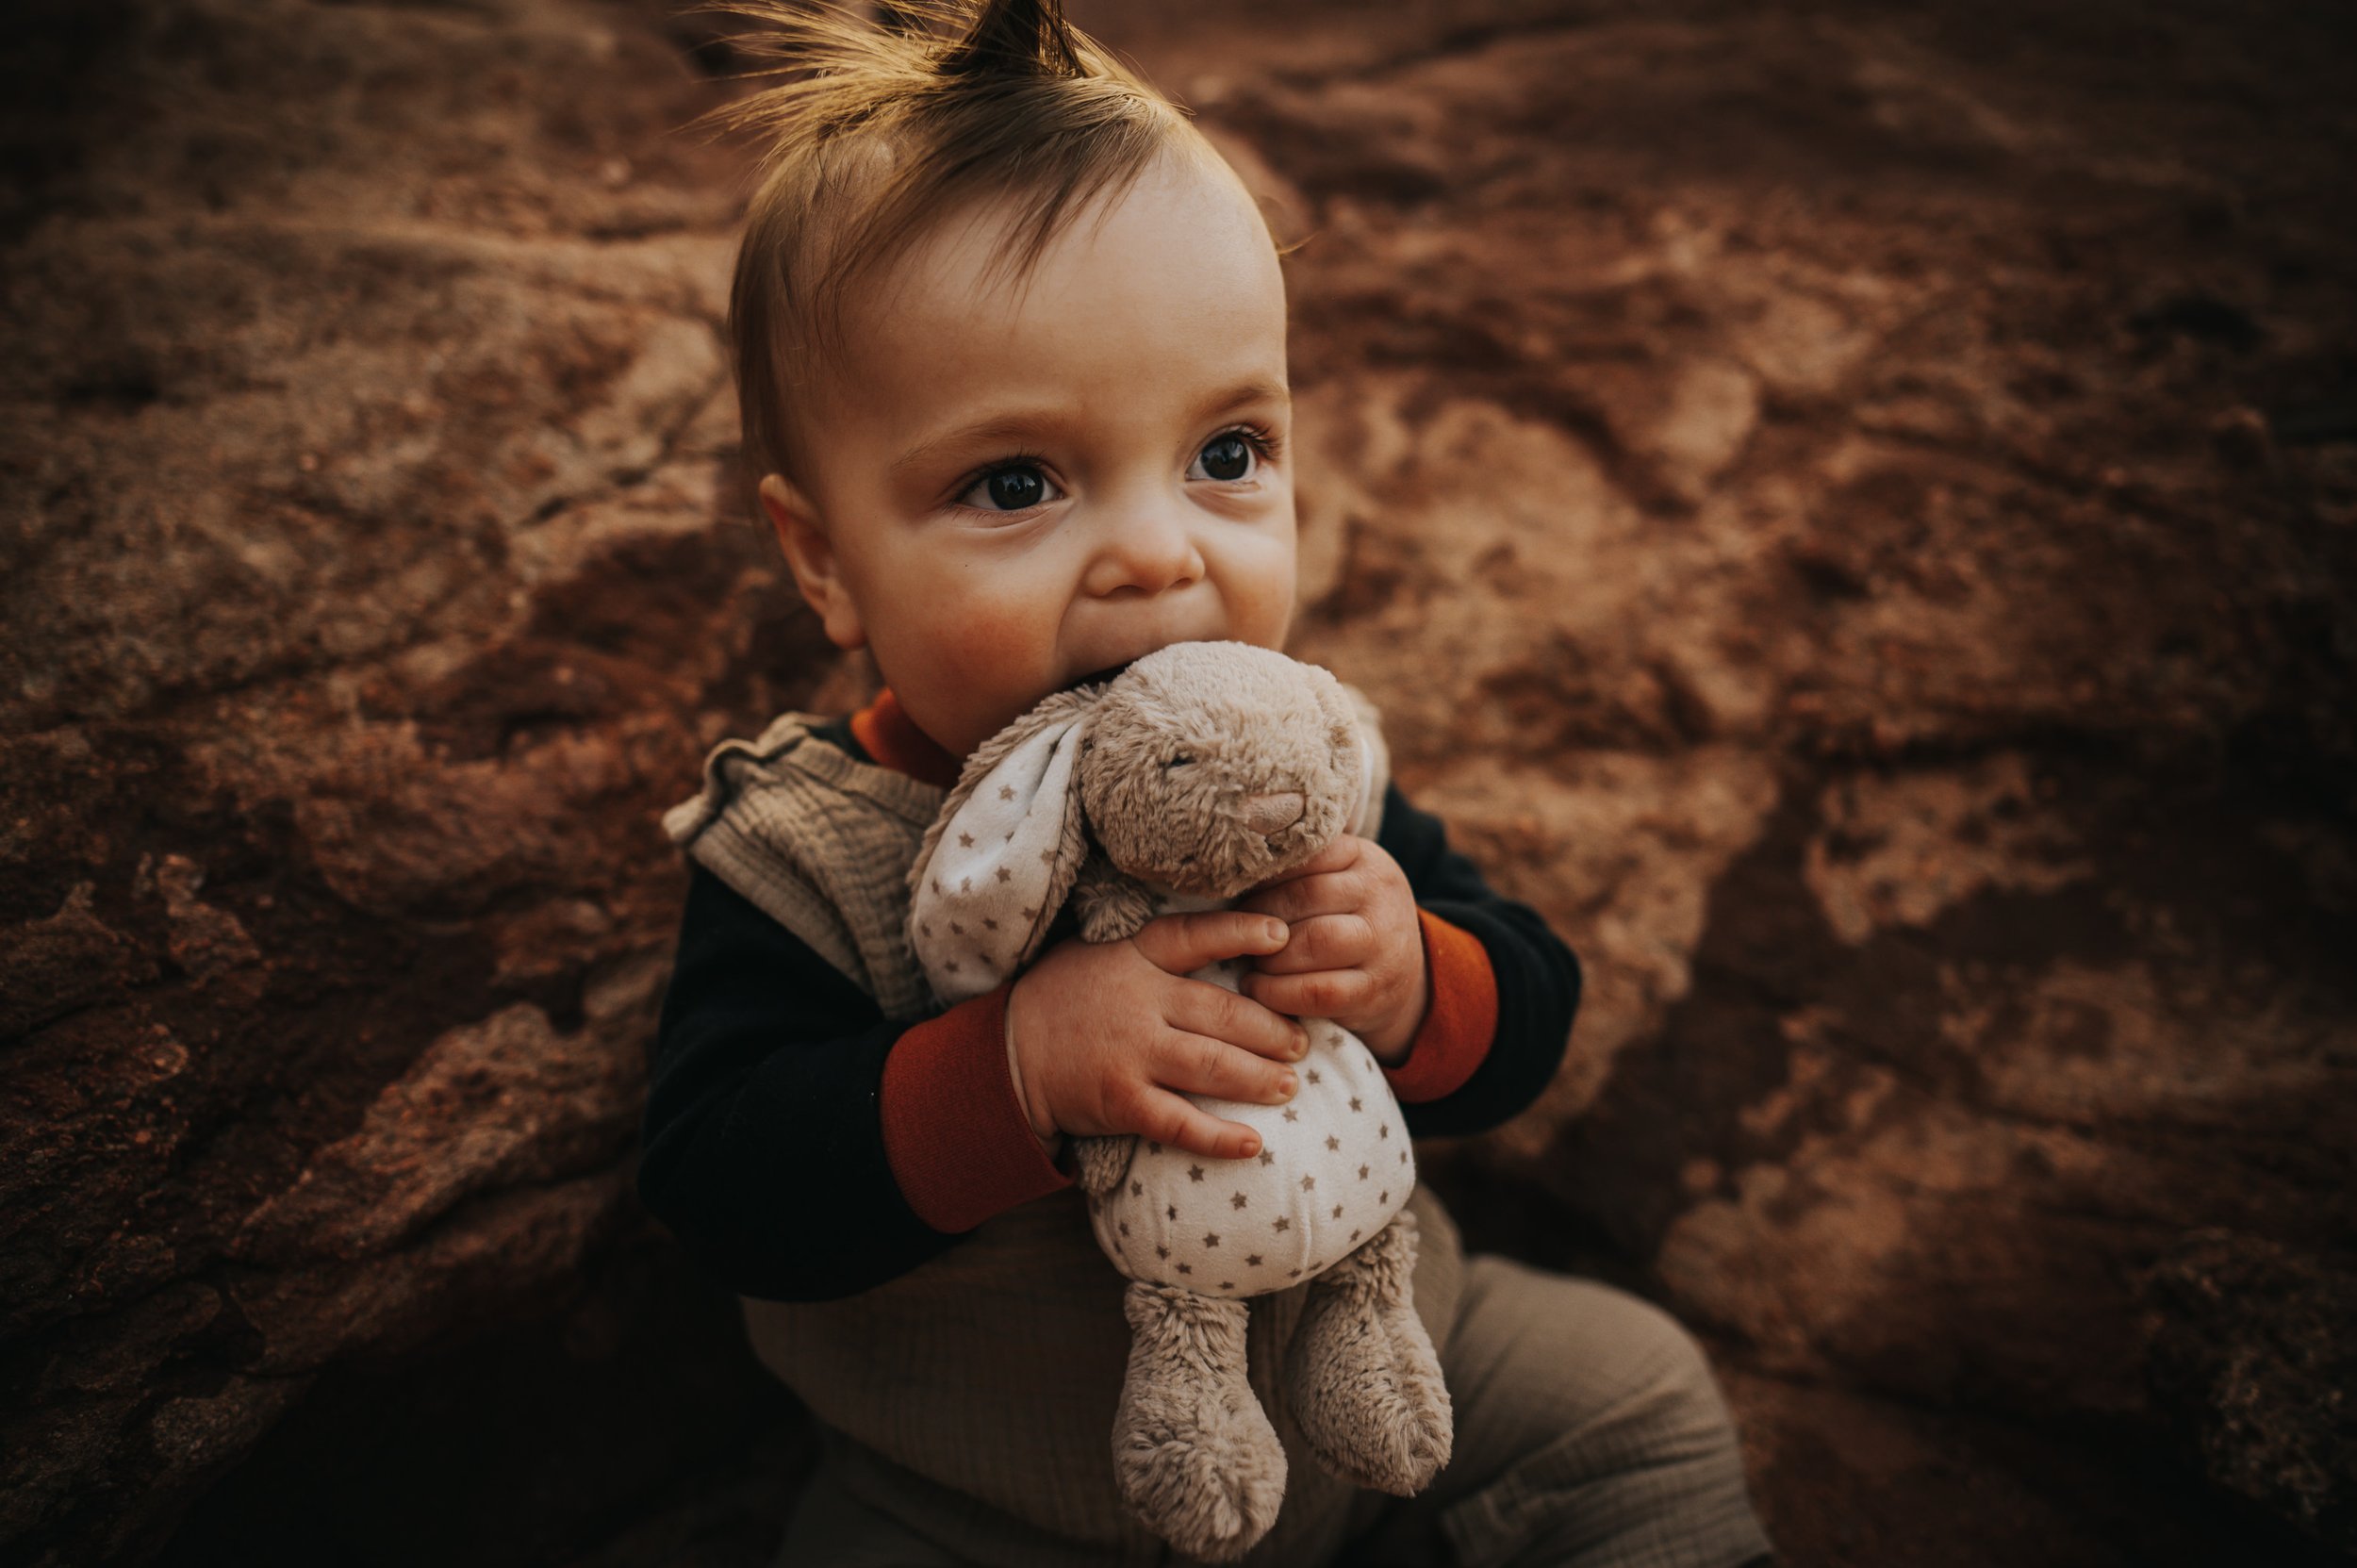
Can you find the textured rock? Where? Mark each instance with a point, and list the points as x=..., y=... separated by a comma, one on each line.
x=2251, y=1352
x=1848, y=511
x=1783, y=476
x=369, y=593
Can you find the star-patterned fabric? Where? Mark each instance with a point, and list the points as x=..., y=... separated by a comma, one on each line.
x=983, y=905
x=1334, y=1167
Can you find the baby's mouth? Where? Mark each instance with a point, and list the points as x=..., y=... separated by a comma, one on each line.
x=1096, y=677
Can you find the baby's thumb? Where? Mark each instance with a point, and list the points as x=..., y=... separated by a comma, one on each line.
x=1184, y=943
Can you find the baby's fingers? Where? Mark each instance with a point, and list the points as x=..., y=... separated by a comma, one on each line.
x=1181, y=944
x=1325, y=942
x=1198, y=1007
x=1326, y=993
x=1197, y=1064
x=1166, y=1118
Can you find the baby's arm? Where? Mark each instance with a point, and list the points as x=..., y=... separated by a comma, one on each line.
x=801, y=1145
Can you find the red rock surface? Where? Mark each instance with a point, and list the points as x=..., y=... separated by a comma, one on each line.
x=1848, y=509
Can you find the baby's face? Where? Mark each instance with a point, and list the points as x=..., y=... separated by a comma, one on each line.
x=1016, y=486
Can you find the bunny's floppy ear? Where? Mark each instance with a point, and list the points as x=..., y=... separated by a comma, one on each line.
x=998, y=861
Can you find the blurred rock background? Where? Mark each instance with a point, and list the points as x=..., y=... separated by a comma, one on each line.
x=1850, y=509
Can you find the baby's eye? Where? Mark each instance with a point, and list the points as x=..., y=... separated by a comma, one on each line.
x=1013, y=489
x=1228, y=457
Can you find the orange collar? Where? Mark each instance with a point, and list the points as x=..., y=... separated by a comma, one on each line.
x=887, y=732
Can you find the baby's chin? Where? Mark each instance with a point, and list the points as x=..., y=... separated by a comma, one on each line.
x=1098, y=677
x=1113, y=671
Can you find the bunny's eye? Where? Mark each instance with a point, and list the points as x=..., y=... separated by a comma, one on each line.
x=1181, y=760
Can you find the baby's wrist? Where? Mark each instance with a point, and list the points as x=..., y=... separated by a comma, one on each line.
x=1042, y=1126
x=1391, y=1049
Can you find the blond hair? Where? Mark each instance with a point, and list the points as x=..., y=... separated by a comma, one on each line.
x=879, y=133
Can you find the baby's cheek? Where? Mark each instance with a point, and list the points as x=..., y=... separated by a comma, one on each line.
x=982, y=639
x=982, y=655
x=1259, y=587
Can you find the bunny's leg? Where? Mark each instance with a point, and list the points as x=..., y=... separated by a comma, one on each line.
x=1193, y=1452
x=1362, y=1379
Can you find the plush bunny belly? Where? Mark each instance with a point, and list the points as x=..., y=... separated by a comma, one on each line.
x=1334, y=1166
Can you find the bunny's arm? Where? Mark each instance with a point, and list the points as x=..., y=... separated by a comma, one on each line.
x=1100, y=1164
x=1111, y=905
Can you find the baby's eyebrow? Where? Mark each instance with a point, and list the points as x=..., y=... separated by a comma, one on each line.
x=1035, y=423
x=1256, y=389
x=1024, y=426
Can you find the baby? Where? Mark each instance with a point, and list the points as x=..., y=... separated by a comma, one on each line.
x=1011, y=348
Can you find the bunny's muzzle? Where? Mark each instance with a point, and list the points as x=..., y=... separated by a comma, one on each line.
x=1267, y=815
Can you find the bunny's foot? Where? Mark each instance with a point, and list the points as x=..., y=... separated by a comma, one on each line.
x=1193, y=1452
x=1362, y=1379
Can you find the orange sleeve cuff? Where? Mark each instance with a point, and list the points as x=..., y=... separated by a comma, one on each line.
x=1458, y=1022
x=960, y=1146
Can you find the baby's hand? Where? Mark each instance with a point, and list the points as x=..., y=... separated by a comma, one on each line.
x=1108, y=1035
x=1356, y=950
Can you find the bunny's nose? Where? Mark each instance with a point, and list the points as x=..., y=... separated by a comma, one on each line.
x=1268, y=814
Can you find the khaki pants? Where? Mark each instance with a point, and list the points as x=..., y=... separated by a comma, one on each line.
x=1589, y=1433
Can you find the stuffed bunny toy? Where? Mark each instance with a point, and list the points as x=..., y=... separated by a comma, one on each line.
x=1197, y=773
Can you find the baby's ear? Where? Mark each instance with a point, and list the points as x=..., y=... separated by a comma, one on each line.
x=809, y=554
x=996, y=865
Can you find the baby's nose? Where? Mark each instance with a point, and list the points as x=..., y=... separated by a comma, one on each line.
x=1268, y=814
